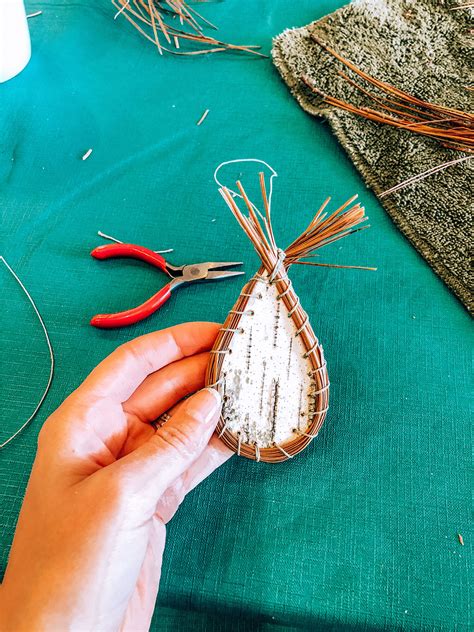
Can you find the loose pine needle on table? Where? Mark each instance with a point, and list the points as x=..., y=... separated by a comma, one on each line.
x=203, y=118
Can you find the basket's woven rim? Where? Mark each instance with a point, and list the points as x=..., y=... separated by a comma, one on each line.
x=314, y=352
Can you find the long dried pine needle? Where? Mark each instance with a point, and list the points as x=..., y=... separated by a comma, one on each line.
x=467, y=5
x=422, y=176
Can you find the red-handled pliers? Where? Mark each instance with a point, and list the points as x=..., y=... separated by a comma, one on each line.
x=178, y=274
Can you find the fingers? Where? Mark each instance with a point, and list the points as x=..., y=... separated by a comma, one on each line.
x=143, y=601
x=174, y=447
x=161, y=390
x=118, y=376
x=214, y=455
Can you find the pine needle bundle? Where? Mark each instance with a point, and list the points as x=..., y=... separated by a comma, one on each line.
x=392, y=106
x=174, y=27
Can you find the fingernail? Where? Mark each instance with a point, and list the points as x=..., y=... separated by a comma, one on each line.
x=203, y=405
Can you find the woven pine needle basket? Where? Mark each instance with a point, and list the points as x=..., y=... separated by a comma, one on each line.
x=267, y=362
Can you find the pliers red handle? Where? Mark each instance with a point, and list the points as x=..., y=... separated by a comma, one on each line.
x=178, y=274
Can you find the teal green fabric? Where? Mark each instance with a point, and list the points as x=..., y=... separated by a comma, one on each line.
x=360, y=530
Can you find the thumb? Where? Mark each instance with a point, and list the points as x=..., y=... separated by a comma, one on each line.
x=175, y=445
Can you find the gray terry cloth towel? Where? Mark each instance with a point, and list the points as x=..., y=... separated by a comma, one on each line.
x=421, y=47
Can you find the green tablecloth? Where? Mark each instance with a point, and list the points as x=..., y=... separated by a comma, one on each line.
x=361, y=529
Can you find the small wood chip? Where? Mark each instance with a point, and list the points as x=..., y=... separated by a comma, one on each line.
x=87, y=154
x=203, y=117
x=461, y=539
x=176, y=42
x=33, y=15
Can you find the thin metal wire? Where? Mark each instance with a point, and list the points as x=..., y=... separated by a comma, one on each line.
x=288, y=456
x=303, y=326
x=318, y=412
x=294, y=308
x=51, y=356
x=288, y=280
x=259, y=279
x=306, y=434
x=234, y=193
x=257, y=453
x=259, y=296
x=278, y=265
x=311, y=350
x=247, y=312
x=320, y=368
x=321, y=390
x=217, y=382
x=117, y=241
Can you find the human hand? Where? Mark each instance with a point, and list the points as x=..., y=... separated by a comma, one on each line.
x=88, y=546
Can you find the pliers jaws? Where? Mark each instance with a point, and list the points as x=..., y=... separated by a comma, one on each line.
x=180, y=275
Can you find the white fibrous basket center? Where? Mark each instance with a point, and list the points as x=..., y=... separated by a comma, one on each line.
x=266, y=380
